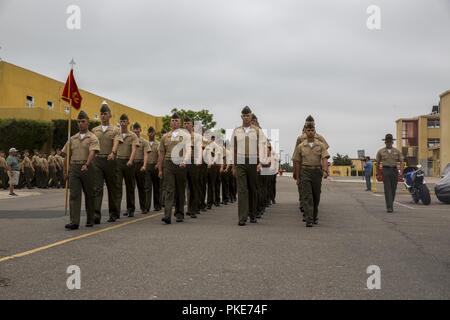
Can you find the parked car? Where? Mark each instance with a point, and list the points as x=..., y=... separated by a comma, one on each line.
x=442, y=187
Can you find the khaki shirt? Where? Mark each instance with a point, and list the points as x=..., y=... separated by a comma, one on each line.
x=153, y=153
x=51, y=161
x=107, y=138
x=60, y=161
x=125, y=145
x=143, y=148
x=213, y=154
x=2, y=163
x=36, y=161
x=79, y=148
x=389, y=159
x=180, y=139
x=310, y=156
x=196, y=148
x=317, y=136
x=27, y=163
x=44, y=164
x=248, y=143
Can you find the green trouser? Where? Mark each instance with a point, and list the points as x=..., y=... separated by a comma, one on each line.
x=153, y=187
x=299, y=188
x=142, y=184
x=246, y=176
x=193, y=183
x=267, y=181
x=3, y=178
x=163, y=191
x=81, y=181
x=203, y=184
x=274, y=187
x=225, y=177
x=105, y=172
x=52, y=181
x=124, y=172
x=390, y=178
x=311, y=181
x=60, y=174
x=217, y=188
x=28, y=175
x=213, y=176
x=260, y=194
x=39, y=177
x=175, y=189
x=233, y=187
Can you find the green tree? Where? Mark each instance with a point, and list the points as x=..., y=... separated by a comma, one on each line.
x=340, y=160
x=204, y=116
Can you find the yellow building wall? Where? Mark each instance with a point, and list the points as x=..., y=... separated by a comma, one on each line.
x=399, y=134
x=445, y=129
x=340, y=171
x=16, y=83
x=423, y=137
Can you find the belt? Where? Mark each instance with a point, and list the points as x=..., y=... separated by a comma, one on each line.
x=103, y=156
x=78, y=161
x=311, y=167
x=123, y=158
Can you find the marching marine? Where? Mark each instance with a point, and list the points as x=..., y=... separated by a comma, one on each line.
x=126, y=152
x=83, y=147
x=174, y=154
x=105, y=165
x=140, y=168
x=387, y=160
x=310, y=166
x=153, y=180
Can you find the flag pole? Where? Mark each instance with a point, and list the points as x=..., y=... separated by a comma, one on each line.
x=69, y=130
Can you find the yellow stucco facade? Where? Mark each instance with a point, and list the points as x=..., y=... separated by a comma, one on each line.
x=444, y=152
x=425, y=139
x=25, y=94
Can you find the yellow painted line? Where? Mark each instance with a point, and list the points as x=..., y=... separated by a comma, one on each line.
x=86, y=235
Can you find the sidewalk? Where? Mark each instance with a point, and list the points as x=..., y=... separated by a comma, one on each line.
x=4, y=194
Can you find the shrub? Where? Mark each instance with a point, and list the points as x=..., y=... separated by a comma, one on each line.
x=24, y=134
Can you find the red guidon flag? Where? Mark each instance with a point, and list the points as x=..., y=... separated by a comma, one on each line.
x=71, y=93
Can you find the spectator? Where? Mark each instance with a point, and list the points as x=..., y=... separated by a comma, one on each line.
x=3, y=171
x=13, y=170
x=368, y=166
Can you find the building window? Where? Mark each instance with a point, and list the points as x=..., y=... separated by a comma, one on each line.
x=434, y=123
x=50, y=105
x=433, y=142
x=410, y=133
x=30, y=101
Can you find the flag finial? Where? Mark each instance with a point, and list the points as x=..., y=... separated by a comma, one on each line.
x=72, y=63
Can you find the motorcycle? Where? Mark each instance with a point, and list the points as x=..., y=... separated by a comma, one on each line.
x=415, y=183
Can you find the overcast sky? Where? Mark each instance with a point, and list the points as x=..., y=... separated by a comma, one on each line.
x=285, y=59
